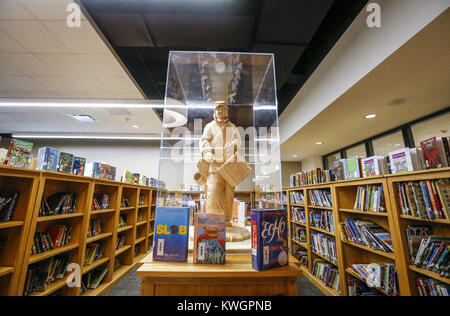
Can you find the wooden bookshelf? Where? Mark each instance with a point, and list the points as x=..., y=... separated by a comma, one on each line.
x=32, y=186
x=344, y=196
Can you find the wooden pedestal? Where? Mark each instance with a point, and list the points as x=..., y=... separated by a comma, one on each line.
x=235, y=278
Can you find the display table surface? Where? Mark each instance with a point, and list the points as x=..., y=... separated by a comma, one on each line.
x=235, y=278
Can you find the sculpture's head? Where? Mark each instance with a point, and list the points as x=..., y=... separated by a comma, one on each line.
x=221, y=111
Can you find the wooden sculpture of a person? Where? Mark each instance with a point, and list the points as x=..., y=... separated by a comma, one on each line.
x=220, y=141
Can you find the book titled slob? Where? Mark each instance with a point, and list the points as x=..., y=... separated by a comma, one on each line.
x=171, y=234
x=269, y=239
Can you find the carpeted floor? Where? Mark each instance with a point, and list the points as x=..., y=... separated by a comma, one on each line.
x=130, y=286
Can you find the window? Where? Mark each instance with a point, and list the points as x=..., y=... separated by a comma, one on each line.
x=330, y=159
x=436, y=127
x=359, y=151
x=384, y=145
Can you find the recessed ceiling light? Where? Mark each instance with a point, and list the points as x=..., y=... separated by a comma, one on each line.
x=397, y=145
x=135, y=126
x=319, y=143
x=83, y=118
x=295, y=156
x=370, y=116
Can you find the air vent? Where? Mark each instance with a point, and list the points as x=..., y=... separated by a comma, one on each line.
x=83, y=118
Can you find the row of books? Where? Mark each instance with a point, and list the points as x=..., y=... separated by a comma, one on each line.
x=8, y=202
x=366, y=233
x=324, y=245
x=308, y=177
x=40, y=275
x=58, y=203
x=301, y=255
x=322, y=219
x=54, y=237
x=357, y=287
x=428, y=199
x=95, y=227
x=296, y=198
x=94, y=252
x=326, y=272
x=92, y=279
x=431, y=287
x=51, y=159
x=298, y=215
x=120, y=241
x=298, y=233
x=381, y=276
x=136, y=178
x=100, y=201
x=370, y=198
x=427, y=251
x=320, y=197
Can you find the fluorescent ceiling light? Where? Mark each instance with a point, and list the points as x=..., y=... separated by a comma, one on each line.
x=370, y=116
x=319, y=143
x=85, y=136
x=295, y=156
x=135, y=126
x=78, y=104
x=83, y=118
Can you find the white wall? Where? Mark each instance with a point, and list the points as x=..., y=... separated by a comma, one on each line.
x=356, y=53
x=312, y=162
x=288, y=168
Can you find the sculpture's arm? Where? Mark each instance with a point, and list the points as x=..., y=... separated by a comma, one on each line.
x=205, y=145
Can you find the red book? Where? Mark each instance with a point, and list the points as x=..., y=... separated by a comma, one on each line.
x=431, y=155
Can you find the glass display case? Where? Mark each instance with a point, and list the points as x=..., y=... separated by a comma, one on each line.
x=245, y=84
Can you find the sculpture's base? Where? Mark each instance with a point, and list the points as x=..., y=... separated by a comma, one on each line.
x=237, y=233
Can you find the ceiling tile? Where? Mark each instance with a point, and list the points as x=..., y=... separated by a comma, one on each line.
x=118, y=84
x=128, y=96
x=102, y=65
x=48, y=9
x=23, y=83
x=8, y=45
x=86, y=84
x=6, y=86
x=79, y=40
x=14, y=10
x=54, y=84
x=66, y=65
x=8, y=69
x=99, y=95
x=28, y=64
x=33, y=36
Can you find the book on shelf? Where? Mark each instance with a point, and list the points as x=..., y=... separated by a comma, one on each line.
x=301, y=255
x=47, y=159
x=427, y=199
x=327, y=273
x=357, y=287
x=269, y=239
x=92, y=279
x=95, y=227
x=19, y=154
x=117, y=264
x=171, y=234
x=366, y=233
x=122, y=220
x=100, y=201
x=322, y=219
x=40, y=275
x=54, y=237
x=352, y=168
x=79, y=165
x=8, y=202
x=404, y=160
x=299, y=233
x=432, y=287
x=370, y=198
x=324, y=245
x=124, y=202
x=374, y=166
x=65, y=162
x=381, y=276
x=94, y=252
x=136, y=178
x=58, y=204
x=320, y=197
x=209, y=238
x=338, y=171
x=414, y=236
x=298, y=214
x=100, y=170
x=435, y=155
x=120, y=241
x=297, y=198
x=433, y=255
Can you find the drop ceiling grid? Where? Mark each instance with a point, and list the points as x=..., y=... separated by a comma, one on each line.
x=71, y=62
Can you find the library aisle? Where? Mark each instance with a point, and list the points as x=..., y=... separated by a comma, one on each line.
x=250, y=149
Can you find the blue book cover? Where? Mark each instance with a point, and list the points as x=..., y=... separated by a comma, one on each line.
x=79, y=164
x=47, y=159
x=209, y=238
x=171, y=238
x=269, y=239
